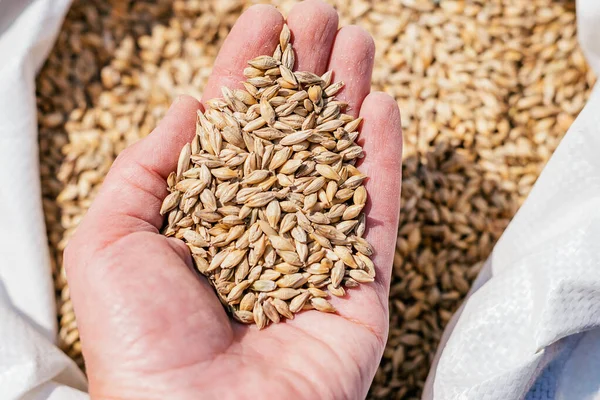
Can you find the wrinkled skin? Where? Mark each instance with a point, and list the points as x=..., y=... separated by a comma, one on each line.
x=151, y=328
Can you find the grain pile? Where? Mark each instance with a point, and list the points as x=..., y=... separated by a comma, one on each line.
x=266, y=196
x=486, y=89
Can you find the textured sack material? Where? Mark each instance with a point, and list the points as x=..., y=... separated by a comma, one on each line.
x=530, y=329
x=31, y=367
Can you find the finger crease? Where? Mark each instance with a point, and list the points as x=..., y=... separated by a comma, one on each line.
x=136, y=185
x=378, y=335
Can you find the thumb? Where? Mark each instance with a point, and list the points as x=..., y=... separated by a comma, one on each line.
x=134, y=297
x=132, y=193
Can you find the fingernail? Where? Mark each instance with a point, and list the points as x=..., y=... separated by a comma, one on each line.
x=174, y=103
x=182, y=250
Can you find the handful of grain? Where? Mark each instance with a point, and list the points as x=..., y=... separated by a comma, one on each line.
x=267, y=197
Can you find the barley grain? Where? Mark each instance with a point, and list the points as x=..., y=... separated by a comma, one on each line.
x=466, y=142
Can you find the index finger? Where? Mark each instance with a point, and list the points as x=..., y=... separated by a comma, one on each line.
x=255, y=33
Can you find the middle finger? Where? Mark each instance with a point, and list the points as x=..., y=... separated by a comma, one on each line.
x=313, y=24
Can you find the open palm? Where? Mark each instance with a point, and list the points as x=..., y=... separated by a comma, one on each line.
x=151, y=328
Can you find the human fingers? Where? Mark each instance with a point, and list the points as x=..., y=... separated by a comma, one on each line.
x=255, y=33
x=352, y=63
x=313, y=24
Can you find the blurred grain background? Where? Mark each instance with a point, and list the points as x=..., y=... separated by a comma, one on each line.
x=487, y=88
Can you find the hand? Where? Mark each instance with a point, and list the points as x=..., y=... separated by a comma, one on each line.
x=151, y=329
